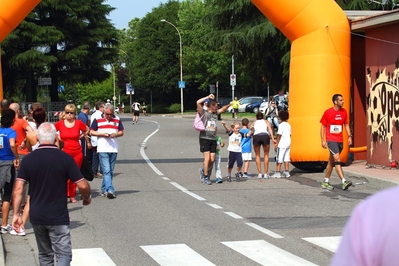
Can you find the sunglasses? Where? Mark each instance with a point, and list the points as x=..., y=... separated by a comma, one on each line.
x=70, y=113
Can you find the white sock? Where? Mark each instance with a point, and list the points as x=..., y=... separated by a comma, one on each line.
x=343, y=180
x=326, y=180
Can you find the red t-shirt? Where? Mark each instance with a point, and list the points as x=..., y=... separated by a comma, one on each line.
x=70, y=137
x=20, y=126
x=334, y=121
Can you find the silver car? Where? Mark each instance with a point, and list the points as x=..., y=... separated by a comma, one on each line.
x=244, y=101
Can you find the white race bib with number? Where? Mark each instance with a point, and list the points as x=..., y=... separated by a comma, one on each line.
x=335, y=129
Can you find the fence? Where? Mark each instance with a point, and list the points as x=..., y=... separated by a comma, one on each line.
x=53, y=109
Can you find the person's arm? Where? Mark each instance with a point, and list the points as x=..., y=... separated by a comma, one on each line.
x=13, y=147
x=84, y=189
x=271, y=131
x=225, y=126
x=201, y=101
x=224, y=108
x=17, y=195
x=277, y=142
x=348, y=131
x=323, y=136
x=117, y=134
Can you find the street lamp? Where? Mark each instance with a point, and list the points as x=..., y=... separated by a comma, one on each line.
x=181, y=65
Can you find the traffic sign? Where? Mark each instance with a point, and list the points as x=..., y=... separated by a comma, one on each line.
x=232, y=79
x=182, y=84
x=44, y=81
x=211, y=88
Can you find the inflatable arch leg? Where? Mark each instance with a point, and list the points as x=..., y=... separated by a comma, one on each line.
x=12, y=12
x=320, y=67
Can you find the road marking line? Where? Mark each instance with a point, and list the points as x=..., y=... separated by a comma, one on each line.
x=165, y=178
x=215, y=206
x=232, y=214
x=330, y=243
x=265, y=253
x=175, y=255
x=264, y=230
x=183, y=189
x=91, y=256
x=142, y=148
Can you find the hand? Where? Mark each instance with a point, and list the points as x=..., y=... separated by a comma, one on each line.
x=211, y=96
x=223, y=123
x=324, y=144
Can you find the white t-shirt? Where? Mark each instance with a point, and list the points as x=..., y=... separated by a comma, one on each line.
x=95, y=115
x=136, y=106
x=284, y=129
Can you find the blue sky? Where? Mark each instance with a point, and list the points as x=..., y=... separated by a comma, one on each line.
x=127, y=10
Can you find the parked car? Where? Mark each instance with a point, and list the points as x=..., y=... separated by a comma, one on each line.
x=244, y=102
x=254, y=107
x=282, y=105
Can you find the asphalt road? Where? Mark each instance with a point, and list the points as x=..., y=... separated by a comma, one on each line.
x=164, y=215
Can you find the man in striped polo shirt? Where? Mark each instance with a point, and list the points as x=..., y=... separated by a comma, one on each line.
x=107, y=129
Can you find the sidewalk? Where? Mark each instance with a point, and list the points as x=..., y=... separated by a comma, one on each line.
x=357, y=168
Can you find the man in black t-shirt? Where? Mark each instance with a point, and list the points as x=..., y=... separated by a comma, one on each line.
x=47, y=170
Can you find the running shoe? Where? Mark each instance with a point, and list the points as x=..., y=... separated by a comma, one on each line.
x=260, y=176
x=266, y=176
x=276, y=175
x=346, y=185
x=219, y=180
x=20, y=233
x=246, y=175
x=111, y=195
x=326, y=185
x=201, y=171
x=286, y=174
x=228, y=178
x=5, y=229
x=207, y=181
x=237, y=176
x=103, y=194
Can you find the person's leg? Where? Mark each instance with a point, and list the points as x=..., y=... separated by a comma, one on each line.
x=106, y=168
x=266, y=149
x=5, y=208
x=46, y=254
x=207, y=156
x=257, y=159
x=218, y=172
x=95, y=161
x=61, y=243
x=112, y=161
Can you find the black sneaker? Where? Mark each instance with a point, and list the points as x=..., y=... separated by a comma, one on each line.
x=237, y=176
x=111, y=195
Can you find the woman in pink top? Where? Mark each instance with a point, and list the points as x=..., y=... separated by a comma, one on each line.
x=71, y=130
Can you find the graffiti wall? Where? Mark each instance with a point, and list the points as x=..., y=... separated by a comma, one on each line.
x=382, y=95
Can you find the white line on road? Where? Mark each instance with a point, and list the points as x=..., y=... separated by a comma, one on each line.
x=91, y=256
x=165, y=178
x=330, y=243
x=187, y=192
x=264, y=230
x=142, y=148
x=175, y=255
x=265, y=253
x=232, y=214
x=215, y=206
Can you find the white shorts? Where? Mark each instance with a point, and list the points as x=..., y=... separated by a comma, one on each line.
x=283, y=155
x=246, y=156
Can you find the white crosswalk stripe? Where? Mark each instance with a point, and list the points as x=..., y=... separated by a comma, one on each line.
x=175, y=255
x=330, y=243
x=265, y=253
x=91, y=256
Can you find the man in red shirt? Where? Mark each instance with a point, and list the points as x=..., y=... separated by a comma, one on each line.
x=333, y=121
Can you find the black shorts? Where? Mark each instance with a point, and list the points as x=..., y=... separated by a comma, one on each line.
x=261, y=140
x=136, y=113
x=335, y=147
x=207, y=145
x=8, y=187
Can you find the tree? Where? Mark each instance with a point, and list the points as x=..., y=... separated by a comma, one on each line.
x=70, y=41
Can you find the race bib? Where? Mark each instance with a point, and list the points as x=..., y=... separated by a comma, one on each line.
x=335, y=129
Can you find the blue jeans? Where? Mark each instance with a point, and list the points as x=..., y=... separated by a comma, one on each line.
x=95, y=162
x=53, y=240
x=107, y=162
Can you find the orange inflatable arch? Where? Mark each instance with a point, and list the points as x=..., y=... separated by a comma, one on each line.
x=12, y=12
x=320, y=67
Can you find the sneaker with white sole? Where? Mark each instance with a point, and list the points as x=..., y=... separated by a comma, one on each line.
x=286, y=174
x=111, y=195
x=326, y=185
x=201, y=171
x=276, y=175
x=260, y=176
x=219, y=180
x=237, y=174
x=207, y=181
x=103, y=194
x=228, y=178
x=6, y=229
x=20, y=233
x=246, y=175
x=266, y=176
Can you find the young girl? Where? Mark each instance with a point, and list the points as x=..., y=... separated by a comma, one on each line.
x=219, y=144
x=234, y=148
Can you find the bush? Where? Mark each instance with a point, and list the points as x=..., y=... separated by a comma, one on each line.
x=159, y=109
x=175, y=108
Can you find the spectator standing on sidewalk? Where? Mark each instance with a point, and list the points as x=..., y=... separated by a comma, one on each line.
x=283, y=146
x=21, y=127
x=47, y=170
x=207, y=138
x=107, y=129
x=235, y=105
x=95, y=162
x=85, y=141
x=333, y=122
